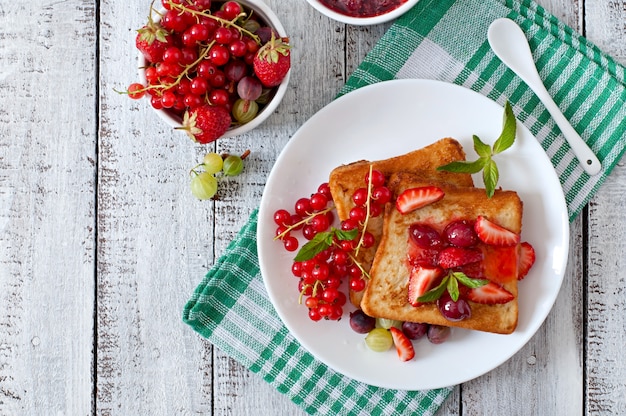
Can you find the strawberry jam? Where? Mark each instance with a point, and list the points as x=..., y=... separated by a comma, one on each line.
x=362, y=8
x=477, y=260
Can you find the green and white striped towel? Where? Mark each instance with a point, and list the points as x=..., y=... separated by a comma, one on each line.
x=443, y=40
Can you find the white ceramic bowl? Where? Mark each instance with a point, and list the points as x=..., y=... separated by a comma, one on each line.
x=266, y=14
x=363, y=21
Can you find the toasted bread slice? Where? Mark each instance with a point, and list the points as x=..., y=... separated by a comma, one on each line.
x=346, y=179
x=386, y=295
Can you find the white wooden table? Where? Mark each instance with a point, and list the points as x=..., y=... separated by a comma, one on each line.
x=101, y=242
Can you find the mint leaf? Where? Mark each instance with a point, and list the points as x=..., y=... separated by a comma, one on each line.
x=468, y=281
x=453, y=288
x=322, y=241
x=316, y=245
x=490, y=177
x=509, y=127
x=485, y=160
x=434, y=294
x=464, y=167
x=346, y=235
x=483, y=150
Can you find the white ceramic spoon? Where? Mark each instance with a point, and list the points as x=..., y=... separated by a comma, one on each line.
x=510, y=45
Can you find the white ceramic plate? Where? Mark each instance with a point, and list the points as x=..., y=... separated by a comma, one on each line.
x=388, y=119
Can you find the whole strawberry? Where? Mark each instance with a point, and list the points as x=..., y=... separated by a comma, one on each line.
x=206, y=124
x=272, y=61
x=152, y=40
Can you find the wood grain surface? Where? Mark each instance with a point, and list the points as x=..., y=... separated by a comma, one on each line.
x=101, y=242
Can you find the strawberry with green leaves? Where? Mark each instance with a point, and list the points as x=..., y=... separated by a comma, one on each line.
x=273, y=61
x=206, y=124
x=152, y=40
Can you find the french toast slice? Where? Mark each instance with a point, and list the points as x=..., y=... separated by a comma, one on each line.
x=346, y=179
x=386, y=294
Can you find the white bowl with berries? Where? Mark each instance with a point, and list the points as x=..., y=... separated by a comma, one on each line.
x=213, y=69
x=364, y=12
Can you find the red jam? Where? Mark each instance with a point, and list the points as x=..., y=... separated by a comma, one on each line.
x=362, y=8
x=499, y=264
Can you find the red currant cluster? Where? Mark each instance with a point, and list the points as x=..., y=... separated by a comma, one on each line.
x=329, y=257
x=202, y=52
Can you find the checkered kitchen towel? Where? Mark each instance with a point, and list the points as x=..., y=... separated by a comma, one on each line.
x=443, y=40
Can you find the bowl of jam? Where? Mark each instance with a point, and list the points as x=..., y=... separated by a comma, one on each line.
x=363, y=12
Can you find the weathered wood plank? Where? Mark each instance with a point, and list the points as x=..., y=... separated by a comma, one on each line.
x=47, y=176
x=154, y=243
x=605, y=302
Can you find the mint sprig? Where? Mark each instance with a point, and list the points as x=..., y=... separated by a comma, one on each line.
x=451, y=284
x=322, y=241
x=486, y=153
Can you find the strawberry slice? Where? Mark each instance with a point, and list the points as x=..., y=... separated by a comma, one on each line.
x=414, y=198
x=451, y=257
x=526, y=260
x=490, y=294
x=491, y=233
x=421, y=280
x=403, y=344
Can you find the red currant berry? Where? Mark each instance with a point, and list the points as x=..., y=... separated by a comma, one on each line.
x=193, y=100
x=321, y=271
x=330, y=294
x=238, y=48
x=309, y=232
x=360, y=197
x=377, y=178
x=296, y=268
x=155, y=102
x=172, y=55
x=190, y=55
x=223, y=35
x=174, y=21
x=375, y=209
x=290, y=243
x=324, y=189
x=136, y=91
x=219, y=54
x=312, y=303
x=314, y=315
x=320, y=223
x=231, y=9
x=358, y=214
x=340, y=257
x=349, y=224
x=282, y=217
x=198, y=86
x=303, y=207
x=219, y=97
x=381, y=194
x=357, y=284
x=318, y=201
x=168, y=99
x=218, y=79
x=368, y=240
x=199, y=32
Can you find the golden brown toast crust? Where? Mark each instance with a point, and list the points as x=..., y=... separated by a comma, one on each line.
x=346, y=179
x=386, y=293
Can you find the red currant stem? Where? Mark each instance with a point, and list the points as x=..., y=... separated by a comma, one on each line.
x=224, y=22
x=315, y=288
x=303, y=221
x=367, y=211
x=355, y=261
